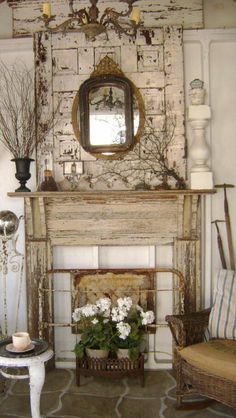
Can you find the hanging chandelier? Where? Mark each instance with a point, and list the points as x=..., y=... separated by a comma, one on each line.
x=107, y=102
x=87, y=19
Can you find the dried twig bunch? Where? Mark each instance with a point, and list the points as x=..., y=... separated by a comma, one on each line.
x=18, y=111
x=148, y=165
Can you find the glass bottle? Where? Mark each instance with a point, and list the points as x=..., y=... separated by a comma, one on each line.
x=49, y=184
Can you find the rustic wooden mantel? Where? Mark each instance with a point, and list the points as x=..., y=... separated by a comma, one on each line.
x=108, y=218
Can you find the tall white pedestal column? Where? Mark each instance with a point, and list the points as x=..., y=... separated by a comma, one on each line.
x=200, y=175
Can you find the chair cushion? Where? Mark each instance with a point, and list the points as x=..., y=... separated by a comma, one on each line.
x=217, y=357
x=222, y=320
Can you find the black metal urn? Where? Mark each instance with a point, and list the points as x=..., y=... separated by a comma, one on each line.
x=22, y=172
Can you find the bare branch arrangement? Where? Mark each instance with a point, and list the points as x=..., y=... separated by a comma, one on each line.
x=148, y=165
x=19, y=112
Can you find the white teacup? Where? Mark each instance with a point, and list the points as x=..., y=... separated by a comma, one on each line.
x=21, y=340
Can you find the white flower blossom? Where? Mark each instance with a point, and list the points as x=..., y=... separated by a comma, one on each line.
x=94, y=321
x=104, y=304
x=147, y=317
x=124, y=303
x=123, y=329
x=76, y=315
x=89, y=310
x=118, y=315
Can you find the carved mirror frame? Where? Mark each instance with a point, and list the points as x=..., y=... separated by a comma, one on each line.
x=108, y=74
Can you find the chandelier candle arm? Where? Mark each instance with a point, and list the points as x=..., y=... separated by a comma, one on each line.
x=87, y=19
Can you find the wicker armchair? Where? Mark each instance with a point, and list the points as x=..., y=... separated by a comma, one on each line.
x=189, y=334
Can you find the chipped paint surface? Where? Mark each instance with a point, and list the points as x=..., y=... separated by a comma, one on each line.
x=188, y=13
x=64, y=61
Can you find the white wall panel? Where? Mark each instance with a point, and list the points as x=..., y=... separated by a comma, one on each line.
x=211, y=56
x=222, y=63
x=11, y=51
x=124, y=257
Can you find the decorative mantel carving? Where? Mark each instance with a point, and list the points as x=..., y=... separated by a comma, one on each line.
x=108, y=218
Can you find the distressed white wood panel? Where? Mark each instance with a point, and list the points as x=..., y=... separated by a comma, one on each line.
x=112, y=52
x=154, y=101
x=61, y=40
x=128, y=65
x=113, y=222
x=44, y=88
x=153, y=36
x=189, y=13
x=174, y=93
x=150, y=58
x=63, y=127
x=68, y=148
x=65, y=62
x=158, y=88
x=66, y=83
x=151, y=79
x=86, y=59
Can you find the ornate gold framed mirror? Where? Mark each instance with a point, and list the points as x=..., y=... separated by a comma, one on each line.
x=108, y=112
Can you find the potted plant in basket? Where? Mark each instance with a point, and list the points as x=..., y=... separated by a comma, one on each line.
x=130, y=321
x=111, y=328
x=19, y=115
x=95, y=327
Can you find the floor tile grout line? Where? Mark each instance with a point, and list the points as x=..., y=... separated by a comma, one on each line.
x=8, y=392
x=63, y=392
x=166, y=396
x=126, y=391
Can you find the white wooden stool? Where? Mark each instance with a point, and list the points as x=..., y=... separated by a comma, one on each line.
x=35, y=361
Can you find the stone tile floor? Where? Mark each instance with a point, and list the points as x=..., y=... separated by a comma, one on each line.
x=102, y=398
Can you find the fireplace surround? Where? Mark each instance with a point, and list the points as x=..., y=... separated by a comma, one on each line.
x=108, y=218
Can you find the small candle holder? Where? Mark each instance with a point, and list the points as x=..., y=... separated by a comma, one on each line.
x=46, y=19
x=72, y=171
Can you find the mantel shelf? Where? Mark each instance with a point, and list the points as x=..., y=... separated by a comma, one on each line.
x=113, y=193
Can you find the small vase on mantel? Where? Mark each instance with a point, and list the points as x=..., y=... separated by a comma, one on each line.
x=22, y=172
x=96, y=353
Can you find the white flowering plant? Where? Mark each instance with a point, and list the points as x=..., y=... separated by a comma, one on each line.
x=103, y=326
x=94, y=325
x=129, y=321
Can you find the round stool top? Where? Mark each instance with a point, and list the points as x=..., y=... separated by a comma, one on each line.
x=38, y=352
